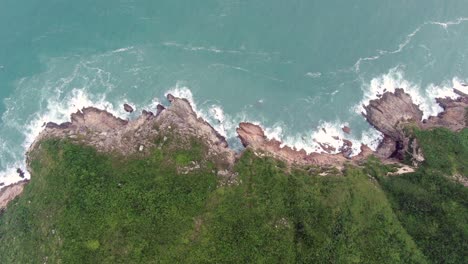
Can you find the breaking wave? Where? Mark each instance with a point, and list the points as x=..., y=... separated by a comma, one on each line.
x=422, y=96
x=330, y=134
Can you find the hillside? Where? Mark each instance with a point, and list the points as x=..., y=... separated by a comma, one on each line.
x=175, y=193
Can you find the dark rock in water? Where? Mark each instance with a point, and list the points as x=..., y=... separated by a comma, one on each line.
x=2, y=184
x=128, y=108
x=464, y=84
x=20, y=172
x=346, y=129
x=159, y=108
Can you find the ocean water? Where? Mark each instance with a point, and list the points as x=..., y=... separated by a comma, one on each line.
x=294, y=67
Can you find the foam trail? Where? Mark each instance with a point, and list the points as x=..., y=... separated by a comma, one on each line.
x=313, y=74
x=407, y=40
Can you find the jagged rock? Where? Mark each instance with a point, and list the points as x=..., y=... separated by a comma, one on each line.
x=390, y=114
x=454, y=116
x=128, y=108
x=392, y=109
x=253, y=136
x=170, y=97
x=147, y=113
x=159, y=109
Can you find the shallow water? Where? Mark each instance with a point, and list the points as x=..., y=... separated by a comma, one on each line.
x=291, y=66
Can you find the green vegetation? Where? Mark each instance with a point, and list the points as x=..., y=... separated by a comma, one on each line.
x=86, y=207
x=431, y=206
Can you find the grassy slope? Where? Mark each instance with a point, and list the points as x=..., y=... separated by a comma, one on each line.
x=432, y=208
x=84, y=207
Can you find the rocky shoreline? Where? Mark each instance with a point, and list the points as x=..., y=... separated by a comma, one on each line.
x=390, y=114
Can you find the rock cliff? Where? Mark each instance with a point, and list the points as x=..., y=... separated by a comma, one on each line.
x=390, y=114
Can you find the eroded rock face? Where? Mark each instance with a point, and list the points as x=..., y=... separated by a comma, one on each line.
x=9, y=193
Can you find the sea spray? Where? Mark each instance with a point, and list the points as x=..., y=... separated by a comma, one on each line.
x=58, y=109
x=424, y=98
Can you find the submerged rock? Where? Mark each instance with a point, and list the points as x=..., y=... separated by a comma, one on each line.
x=346, y=129
x=128, y=108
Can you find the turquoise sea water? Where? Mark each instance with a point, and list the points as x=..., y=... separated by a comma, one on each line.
x=292, y=66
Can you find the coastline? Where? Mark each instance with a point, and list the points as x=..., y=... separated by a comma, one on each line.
x=389, y=114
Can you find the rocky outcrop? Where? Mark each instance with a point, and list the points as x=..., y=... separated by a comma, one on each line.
x=454, y=116
x=387, y=113
x=391, y=114
x=394, y=112
x=253, y=136
x=108, y=133
x=181, y=118
x=9, y=193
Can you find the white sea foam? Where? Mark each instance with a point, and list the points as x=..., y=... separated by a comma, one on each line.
x=56, y=110
x=313, y=74
x=425, y=98
x=327, y=133
x=122, y=49
x=214, y=114
x=216, y=50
